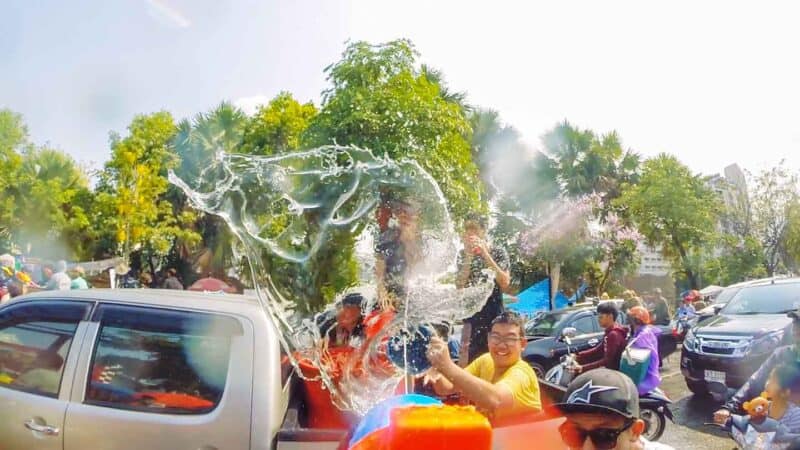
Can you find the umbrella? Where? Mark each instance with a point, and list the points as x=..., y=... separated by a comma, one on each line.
x=211, y=285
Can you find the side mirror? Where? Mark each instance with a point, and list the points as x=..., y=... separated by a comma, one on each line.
x=569, y=333
x=717, y=308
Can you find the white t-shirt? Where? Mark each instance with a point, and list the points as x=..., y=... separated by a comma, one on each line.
x=59, y=282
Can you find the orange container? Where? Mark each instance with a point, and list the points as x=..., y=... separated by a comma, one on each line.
x=438, y=427
x=322, y=413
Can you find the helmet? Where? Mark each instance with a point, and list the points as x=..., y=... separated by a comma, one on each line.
x=639, y=313
x=692, y=296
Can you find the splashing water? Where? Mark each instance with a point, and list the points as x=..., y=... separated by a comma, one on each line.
x=296, y=212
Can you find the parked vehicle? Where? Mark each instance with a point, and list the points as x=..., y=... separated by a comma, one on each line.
x=152, y=369
x=725, y=350
x=544, y=350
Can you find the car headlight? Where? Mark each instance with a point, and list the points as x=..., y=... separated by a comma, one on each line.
x=689, y=342
x=766, y=343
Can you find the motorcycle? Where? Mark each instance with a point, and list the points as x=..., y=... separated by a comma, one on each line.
x=653, y=406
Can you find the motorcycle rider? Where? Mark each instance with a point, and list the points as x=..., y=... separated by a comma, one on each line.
x=608, y=354
x=602, y=412
x=644, y=336
x=788, y=354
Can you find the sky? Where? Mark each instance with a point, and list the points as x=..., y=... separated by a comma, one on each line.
x=713, y=82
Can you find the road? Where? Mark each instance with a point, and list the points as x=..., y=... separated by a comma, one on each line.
x=688, y=431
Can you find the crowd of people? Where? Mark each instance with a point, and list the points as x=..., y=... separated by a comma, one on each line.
x=486, y=367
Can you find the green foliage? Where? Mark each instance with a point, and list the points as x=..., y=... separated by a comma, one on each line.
x=673, y=209
x=774, y=192
x=793, y=232
x=381, y=100
x=278, y=126
x=588, y=164
x=44, y=196
x=132, y=187
x=737, y=260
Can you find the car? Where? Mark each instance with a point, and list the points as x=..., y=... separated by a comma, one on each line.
x=544, y=350
x=720, y=300
x=723, y=351
x=164, y=369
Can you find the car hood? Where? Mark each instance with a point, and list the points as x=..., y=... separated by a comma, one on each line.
x=739, y=325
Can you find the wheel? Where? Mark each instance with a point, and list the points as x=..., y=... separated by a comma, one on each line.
x=538, y=369
x=697, y=387
x=654, y=424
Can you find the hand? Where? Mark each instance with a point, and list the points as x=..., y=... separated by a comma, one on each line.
x=721, y=416
x=431, y=376
x=438, y=354
x=575, y=368
x=478, y=246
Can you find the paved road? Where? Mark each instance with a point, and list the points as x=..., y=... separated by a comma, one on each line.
x=688, y=431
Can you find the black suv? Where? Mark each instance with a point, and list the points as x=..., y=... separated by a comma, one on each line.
x=544, y=350
x=723, y=351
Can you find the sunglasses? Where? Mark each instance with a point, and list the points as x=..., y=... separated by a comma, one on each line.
x=602, y=438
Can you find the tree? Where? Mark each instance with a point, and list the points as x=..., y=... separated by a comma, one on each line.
x=774, y=191
x=132, y=186
x=381, y=100
x=278, y=126
x=53, y=205
x=793, y=232
x=588, y=164
x=734, y=260
x=44, y=196
x=674, y=209
x=13, y=138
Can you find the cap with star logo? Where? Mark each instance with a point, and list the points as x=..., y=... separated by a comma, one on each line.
x=601, y=391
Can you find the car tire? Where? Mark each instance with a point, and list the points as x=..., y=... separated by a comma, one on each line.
x=538, y=369
x=698, y=388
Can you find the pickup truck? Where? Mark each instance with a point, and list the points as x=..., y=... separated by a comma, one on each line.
x=152, y=369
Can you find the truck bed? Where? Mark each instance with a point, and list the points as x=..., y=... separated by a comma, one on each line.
x=543, y=430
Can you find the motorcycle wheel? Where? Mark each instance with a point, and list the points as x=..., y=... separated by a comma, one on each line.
x=654, y=423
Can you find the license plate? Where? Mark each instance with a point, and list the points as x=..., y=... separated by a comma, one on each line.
x=715, y=376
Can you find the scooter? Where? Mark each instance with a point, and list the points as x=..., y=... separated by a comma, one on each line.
x=653, y=406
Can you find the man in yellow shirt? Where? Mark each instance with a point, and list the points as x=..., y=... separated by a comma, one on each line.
x=499, y=383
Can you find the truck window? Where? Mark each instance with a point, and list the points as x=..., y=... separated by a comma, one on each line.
x=35, y=338
x=159, y=360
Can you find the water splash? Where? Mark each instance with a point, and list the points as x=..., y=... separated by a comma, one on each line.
x=289, y=210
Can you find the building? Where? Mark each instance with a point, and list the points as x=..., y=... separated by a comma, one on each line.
x=731, y=187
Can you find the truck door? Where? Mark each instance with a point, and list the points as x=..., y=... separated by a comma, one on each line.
x=162, y=379
x=37, y=362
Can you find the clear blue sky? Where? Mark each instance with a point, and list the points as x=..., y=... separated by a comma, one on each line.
x=713, y=82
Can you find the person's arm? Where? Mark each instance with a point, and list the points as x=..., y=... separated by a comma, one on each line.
x=465, y=263
x=590, y=356
x=484, y=394
x=755, y=385
x=499, y=265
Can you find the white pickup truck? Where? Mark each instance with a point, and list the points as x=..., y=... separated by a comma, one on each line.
x=154, y=369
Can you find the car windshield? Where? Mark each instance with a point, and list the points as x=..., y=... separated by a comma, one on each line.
x=545, y=324
x=769, y=299
x=726, y=295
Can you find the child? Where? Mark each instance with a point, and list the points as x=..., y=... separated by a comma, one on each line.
x=686, y=311
x=781, y=384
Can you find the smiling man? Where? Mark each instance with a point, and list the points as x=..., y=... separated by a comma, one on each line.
x=499, y=383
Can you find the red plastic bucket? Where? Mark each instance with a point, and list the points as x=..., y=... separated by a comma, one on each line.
x=322, y=413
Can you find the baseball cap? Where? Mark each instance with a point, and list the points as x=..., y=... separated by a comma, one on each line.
x=353, y=299
x=600, y=391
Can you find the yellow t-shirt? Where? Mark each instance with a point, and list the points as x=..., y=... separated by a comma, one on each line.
x=520, y=378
